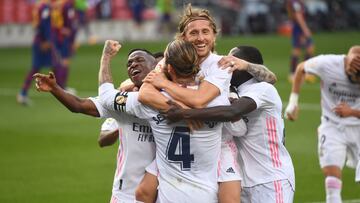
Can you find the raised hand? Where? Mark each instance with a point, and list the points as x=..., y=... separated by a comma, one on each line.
x=44, y=83
x=111, y=48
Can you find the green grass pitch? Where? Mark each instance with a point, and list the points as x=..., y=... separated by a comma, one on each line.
x=48, y=154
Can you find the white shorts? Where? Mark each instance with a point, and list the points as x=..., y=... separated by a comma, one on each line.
x=272, y=192
x=228, y=168
x=337, y=144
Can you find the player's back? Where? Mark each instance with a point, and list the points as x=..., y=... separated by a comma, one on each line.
x=263, y=155
x=187, y=162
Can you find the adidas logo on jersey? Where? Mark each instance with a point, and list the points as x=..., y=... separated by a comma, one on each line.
x=230, y=170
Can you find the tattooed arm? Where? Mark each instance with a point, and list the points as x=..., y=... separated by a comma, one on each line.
x=258, y=71
x=110, y=49
x=261, y=73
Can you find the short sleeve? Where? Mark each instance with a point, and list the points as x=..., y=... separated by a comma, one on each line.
x=314, y=65
x=262, y=93
x=109, y=124
x=104, y=113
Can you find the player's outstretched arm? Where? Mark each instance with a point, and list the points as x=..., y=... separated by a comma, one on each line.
x=234, y=112
x=291, y=111
x=258, y=71
x=47, y=83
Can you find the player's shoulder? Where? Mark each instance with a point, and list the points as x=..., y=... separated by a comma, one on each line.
x=211, y=59
x=324, y=59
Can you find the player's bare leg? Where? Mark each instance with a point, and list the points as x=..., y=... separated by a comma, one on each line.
x=147, y=189
x=229, y=192
x=333, y=184
x=294, y=59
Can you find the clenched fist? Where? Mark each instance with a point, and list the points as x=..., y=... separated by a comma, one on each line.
x=111, y=48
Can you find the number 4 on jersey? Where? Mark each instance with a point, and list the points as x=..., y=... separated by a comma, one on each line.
x=178, y=149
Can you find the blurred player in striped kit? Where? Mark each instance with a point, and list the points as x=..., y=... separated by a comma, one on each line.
x=44, y=53
x=301, y=36
x=64, y=27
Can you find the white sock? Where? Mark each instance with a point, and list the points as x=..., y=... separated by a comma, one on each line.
x=357, y=176
x=333, y=187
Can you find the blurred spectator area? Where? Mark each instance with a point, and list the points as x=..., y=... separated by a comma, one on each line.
x=114, y=18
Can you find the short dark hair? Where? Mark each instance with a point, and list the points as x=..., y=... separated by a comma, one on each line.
x=144, y=50
x=158, y=54
x=248, y=53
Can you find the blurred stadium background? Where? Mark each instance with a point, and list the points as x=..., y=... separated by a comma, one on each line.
x=48, y=154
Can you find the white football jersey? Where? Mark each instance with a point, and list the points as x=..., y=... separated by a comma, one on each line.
x=187, y=163
x=212, y=73
x=335, y=86
x=136, y=151
x=263, y=157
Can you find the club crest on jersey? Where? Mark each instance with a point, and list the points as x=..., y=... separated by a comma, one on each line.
x=120, y=101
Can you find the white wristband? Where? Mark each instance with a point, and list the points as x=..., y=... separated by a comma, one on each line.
x=294, y=97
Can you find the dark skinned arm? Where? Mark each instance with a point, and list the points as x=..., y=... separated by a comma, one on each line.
x=237, y=109
x=47, y=83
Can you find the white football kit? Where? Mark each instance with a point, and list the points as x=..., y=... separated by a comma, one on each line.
x=265, y=163
x=187, y=164
x=136, y=151
x=210, y=71
x=338, y=138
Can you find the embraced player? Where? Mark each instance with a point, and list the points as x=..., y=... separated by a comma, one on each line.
x=136, y=140
x=198, y=27
x=266, y=166
x=187, y=164
x=338, y=133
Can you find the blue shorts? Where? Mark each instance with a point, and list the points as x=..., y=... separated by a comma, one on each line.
x=298, y=38
x=65, y=48
x=41, y=58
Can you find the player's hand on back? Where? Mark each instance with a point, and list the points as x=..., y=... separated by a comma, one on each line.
x=43, y=82
x=111, y=48
x=174, y=114
x=232, y=63
x=156, y=78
